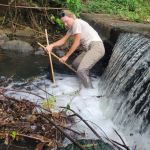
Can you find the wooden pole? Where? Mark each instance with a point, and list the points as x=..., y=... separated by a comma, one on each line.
x=57, y=58
x=50, y=59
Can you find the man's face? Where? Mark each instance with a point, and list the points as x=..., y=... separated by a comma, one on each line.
x=68, y=22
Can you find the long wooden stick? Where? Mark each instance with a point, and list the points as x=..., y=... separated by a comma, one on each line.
x=57, y=58
x=50, y=59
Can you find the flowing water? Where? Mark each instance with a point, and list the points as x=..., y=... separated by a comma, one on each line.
x=127, y=84
x=121, y=94
x=66, y=90
x=29, y=74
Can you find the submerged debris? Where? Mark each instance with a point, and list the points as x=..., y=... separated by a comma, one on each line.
x=22, y=119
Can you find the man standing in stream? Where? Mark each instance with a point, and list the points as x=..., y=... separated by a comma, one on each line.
x=83, y=34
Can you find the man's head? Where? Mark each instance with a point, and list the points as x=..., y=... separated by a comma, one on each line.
x=67, y=18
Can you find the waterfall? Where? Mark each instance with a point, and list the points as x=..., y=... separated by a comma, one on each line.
x=126, y=81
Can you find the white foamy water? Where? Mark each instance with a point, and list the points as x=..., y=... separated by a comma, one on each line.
x=89, y=103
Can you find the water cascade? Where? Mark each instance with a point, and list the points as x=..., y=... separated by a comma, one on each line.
x=127, y=84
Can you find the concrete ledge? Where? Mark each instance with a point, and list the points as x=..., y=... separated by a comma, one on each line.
x=109, y=27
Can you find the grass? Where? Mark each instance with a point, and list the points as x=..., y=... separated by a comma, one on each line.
x=133, y=10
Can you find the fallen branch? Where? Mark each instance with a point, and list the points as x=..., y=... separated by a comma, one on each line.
x=29, y=7
x=120, y=137
x=42, y=90
x=31, y=136
x=66, y=135
x=84, y=122
x=81, y=134
x=112, y=141
x=32, y=104
x=23, y=92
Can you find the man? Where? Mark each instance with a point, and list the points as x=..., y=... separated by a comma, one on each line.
x=83, y=34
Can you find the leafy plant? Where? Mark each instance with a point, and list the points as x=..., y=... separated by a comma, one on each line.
x=134, y=10
x=56, y=20
x=74, y=6
x=49, y=103
x=132, y=4
x=13, y=134
x=59, y=22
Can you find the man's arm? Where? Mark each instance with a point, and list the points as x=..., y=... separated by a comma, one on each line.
x=74, y=46
x=58, y=43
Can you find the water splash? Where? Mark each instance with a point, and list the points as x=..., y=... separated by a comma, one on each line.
x=127, y=82
x=67, y=91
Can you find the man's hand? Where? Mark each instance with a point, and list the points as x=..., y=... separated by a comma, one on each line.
x=63, y=59
x=49, y=48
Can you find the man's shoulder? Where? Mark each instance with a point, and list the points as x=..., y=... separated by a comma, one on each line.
x=79, y=21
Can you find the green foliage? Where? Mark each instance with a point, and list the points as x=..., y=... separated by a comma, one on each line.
x=134, y=10
x=49, y=103
x=74, y=6
x=120, y=1
x=56, y=20
x=132, y=5
x=59, y=22
x=13, y=134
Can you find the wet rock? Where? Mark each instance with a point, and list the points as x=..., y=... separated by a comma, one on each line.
x=17, y=45
x=59, y=53
x=27, y=32
x=2, y=79
x=3, y=38
x=39, y=51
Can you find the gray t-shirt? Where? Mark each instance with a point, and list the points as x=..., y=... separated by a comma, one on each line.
x=88, y=34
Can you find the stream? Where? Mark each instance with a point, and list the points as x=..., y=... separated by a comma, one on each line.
x=99, y=105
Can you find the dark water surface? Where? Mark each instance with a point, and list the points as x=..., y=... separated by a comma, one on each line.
x=21, y=66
